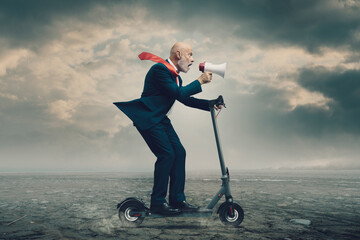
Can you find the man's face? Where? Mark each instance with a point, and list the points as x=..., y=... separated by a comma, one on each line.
x=186, y=60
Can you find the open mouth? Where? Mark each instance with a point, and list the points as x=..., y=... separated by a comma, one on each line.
x=189, y=64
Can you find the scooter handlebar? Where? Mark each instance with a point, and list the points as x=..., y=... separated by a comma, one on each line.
x=219, y=101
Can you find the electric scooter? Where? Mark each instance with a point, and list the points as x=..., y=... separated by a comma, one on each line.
x=132, y=211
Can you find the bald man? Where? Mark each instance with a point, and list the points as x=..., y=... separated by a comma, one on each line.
x=149, y=114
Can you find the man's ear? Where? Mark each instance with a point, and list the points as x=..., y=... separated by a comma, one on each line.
x=178, y=55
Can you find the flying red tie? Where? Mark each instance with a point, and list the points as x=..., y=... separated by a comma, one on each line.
x=154, y=58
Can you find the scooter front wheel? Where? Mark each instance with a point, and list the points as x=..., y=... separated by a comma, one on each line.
x=126, y=215
x=231, y=214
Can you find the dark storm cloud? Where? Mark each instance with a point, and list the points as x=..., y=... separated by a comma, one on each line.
x=29, y=23
x=266, y=109
x=343, y=88
x=308, y=24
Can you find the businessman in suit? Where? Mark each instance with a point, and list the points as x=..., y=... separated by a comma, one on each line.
x=162, y=87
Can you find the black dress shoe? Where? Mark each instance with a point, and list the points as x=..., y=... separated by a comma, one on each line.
x=185, y=206
x=164, y=209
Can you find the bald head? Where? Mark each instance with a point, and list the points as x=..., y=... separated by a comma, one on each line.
x=181, y=54
x=179, y=46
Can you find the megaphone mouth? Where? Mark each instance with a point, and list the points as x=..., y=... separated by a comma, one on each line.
x=202, y=67
x=218, y=69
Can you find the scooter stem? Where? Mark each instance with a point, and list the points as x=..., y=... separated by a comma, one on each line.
x=217, y=138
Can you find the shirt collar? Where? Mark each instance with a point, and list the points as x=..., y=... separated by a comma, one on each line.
x=172, y=65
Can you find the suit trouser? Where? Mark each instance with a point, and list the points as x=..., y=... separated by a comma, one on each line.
x=165, y=144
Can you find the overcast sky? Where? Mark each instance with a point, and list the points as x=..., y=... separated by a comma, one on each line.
x=292, y=85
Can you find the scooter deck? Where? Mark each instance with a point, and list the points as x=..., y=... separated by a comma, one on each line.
x=199, y=213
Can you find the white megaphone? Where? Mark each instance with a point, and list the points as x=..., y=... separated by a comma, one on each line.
x=218, y=69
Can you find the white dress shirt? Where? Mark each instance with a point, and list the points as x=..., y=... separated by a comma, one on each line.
x=172, y=64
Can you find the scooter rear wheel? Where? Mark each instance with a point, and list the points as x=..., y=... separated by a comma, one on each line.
x=126, y=216
x=231, y=214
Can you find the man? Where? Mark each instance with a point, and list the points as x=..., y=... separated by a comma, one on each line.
x=149, y=113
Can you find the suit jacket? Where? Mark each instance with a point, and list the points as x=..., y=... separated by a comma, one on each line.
x=159, y=94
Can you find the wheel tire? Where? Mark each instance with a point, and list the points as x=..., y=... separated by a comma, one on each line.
x=125, y=210
x=231, y=214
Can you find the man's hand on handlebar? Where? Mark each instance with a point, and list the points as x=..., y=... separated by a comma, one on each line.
x=218, y=107
x=217, y=104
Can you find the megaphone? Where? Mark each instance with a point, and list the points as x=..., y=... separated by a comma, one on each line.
x=218, y=69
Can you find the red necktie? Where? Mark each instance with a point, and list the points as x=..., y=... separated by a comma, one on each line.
x=154, y=58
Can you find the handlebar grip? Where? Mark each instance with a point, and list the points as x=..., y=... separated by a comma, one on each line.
x=219, y=101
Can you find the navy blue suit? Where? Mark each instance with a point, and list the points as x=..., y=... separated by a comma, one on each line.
x=149, y=115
